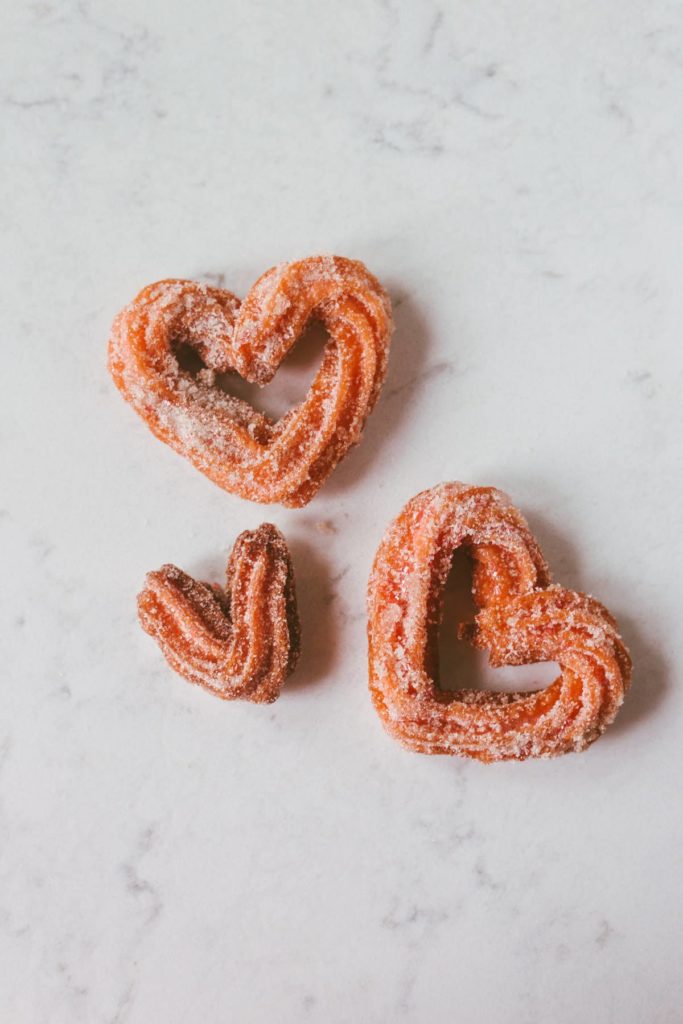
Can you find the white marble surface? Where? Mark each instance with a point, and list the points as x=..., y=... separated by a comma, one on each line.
x=513, y=172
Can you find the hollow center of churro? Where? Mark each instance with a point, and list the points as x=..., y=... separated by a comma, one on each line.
x=463, y=667
x=188, y=358
x=289, y=386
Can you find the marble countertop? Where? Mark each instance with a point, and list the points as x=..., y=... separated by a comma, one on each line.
x=512, y=172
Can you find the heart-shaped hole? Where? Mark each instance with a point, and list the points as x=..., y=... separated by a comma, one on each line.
x=463, y=667
x=290, y=384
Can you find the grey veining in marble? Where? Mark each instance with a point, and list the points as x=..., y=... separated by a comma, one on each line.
x=512, y=172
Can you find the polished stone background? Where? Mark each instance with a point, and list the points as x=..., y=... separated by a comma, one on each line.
x=512, y=172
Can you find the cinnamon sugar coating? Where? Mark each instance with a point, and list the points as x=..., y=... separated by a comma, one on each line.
x=522, y=619
x=240, y=449
x=241, y=642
